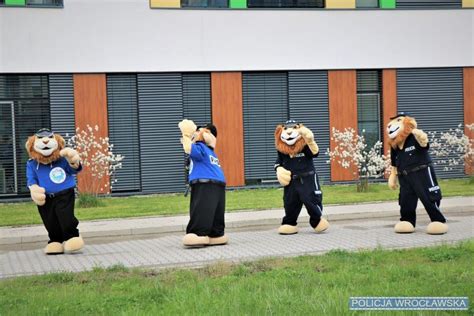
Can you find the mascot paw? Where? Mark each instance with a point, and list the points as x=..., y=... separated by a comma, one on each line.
x=283, y=176
x=72, y=156
x=38, y=194
x=437, y=228
x=193, y=240
x=187, y=127
x=392, y=181
x=287, y=230
x=54, y=248
x=214, y=241
x=306, y=133
x=73, y=244
x=404, y=228
x=322, y=226
x=420, y=136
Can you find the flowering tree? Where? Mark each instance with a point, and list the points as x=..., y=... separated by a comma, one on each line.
x=351, y=152
x=97, y=156
x=453, y=148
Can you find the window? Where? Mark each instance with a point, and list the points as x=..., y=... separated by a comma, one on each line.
x=368, y=105
x=204, y=3
x=429, y=4
x=24, y=108
x=367, y=3
x=49, y=3
x=286, y=3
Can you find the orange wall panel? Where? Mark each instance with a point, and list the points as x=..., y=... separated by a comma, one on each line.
x=389, y=102
x=90, y=106
x=227, y=116
x=469, y=105
x=342, y=112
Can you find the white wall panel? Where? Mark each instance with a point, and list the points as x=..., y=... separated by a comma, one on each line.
x=126, y=35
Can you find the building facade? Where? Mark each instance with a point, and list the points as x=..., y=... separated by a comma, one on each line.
x=136, y=68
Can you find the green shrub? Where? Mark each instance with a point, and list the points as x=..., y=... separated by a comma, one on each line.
x=87, y=200
x=471, y=180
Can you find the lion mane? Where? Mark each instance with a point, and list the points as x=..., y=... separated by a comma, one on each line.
x=407, y=126
x=33, y=154
x=285, y=148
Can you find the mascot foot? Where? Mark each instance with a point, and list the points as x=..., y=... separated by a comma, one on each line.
x=193, y=240
x=437, y=228
x=73, y=244
x=214, y=241
x=287, y=230
x=322, y=226
x=54, y=248
x=404, y=228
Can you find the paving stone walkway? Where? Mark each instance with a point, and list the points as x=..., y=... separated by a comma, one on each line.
x=164, y=252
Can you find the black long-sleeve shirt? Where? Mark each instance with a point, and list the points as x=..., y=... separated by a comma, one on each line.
x=300, y=163
x=411, y=155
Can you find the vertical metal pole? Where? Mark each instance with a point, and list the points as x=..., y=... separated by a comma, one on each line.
x=14, y=148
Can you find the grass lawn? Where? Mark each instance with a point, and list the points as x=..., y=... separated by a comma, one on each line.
x=309, y=285
x=26, y=213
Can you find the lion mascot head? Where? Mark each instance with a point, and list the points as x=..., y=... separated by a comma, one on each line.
x=288, y=139
x=399, y=128
x=45, y=146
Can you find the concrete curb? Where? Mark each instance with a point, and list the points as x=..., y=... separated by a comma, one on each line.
x=234, y=220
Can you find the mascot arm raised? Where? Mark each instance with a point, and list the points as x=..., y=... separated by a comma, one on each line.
x=420, y=137
x=309, y=139
x=72, y=157
x=393, y=178
x=188, y=128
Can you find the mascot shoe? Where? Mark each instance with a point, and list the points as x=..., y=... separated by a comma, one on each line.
x=437, y=228
x=54, y=248
x=287, y=230
x=215, y=241
x=404, y=228
x=322, y=226
x=193, y=240
x=73, y=244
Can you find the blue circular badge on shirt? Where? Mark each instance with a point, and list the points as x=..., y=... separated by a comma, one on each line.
x=57, y=175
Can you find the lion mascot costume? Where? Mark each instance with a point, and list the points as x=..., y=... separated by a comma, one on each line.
x=412, y=166
x=50, y=176
x=207, y=182
x=295, y=171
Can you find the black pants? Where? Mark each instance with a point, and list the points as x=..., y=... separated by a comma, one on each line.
x=422, y=185
x=301, y=191
x=58, y=217
x=207, y=210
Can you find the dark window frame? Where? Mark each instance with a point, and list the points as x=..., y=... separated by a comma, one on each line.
x=318, y=4
x=205, y=3
x=373, y=91
x=31, y=100
x=56, y=4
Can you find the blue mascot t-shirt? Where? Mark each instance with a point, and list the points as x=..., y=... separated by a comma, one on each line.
x=53, y=177
x=204, y=163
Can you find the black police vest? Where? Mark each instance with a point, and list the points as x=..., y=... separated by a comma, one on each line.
x=300, y=163
x=410, y=156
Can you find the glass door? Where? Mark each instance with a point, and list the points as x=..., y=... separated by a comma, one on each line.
x=8, y=174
